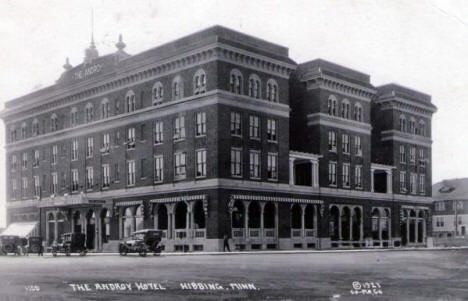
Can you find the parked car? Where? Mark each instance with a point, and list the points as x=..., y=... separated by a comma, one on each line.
x=71, y=243
x=142, y=242
x=35, y=245
x=10, y=244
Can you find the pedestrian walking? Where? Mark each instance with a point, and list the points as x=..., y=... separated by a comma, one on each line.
x=226, y=244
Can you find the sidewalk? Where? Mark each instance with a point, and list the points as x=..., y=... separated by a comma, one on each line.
x=262, y=252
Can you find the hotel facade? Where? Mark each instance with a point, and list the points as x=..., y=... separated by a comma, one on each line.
x=220, y=134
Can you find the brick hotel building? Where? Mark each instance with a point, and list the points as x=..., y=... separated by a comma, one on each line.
x=220, y=133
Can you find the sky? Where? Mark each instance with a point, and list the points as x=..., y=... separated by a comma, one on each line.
x=418, y=44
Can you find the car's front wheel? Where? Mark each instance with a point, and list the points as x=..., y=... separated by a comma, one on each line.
x=142, y=253
x=123, y=250
x=83, y=253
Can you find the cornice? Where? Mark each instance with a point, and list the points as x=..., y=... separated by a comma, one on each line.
x=396, y=102
x=338, y=122
x=173, y=107
x=317, y=80
x=406, y=138
x=147, y=71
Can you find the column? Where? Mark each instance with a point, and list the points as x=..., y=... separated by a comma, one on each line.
x=351, y=225
x=361, y=230
x=156, y=216
x=316, y=220
x=192, y=219
x=188, y=219
x=55, y=227
x=416, y=227
x=389, y=181
x=424, y=229
x=276, y=220
x=246, y=218
x=303, y=220
x=340, y=236
x=380, y=228
x=407, y=226
x=173, y=222
x=372, y=180
x=292, y=176
x=83, y=221
x=316, y=174
x=169, y=221
x=47, y=228
x=262, y=226
x=120, y=222
x=98, y=231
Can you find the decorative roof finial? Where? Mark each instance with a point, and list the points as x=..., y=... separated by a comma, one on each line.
x=91, y=52
x=67, y=65
x=120, y=44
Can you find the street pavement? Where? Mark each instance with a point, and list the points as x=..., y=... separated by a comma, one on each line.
x=393, y=275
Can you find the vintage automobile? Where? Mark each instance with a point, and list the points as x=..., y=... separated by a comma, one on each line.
x=35, y=244
x=10, y=243
x=71, y=243
x=142, y=242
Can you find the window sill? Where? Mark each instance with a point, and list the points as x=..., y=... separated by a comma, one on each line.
x=358, y=187
x=255, y=178
x=180, y=178
x=179, y=140
x=237, y=136
x=332, y=185
x=273, y=141
x=158, y=143
x=255, y=139
x=272, y=180
x=130, y=149
x=105, y=188
x=237, y=176
x=200, y=177
x=158, y=182
x=200, y=136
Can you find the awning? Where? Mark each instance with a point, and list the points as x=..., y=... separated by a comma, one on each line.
x=24, y=229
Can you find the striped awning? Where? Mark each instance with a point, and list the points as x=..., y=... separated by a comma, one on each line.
x=180, y=199
x=274, y=199
x=128, y=203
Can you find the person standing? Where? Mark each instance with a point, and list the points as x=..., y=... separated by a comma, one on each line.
x=226, y=244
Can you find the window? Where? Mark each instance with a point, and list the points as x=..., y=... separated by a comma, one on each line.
x=332, y=141
x=358, y=176
x=332, y=101
x=358, y=112
x=130, y=104
x=105, y=143
x=440, y=221
x=402, y=181
x=236, y=124
x=255, y=86
x=272, y=90
x=158, y=132
x=14, y=189
x=177, y=88
x=53, y=123
x=413, y=183
x=235, y=81
x=35, y=127
x=199, y=82
x=23, y=131
x=14, y=162
x=116, y=172
x=332, y=173
x=200, y=124
x=180, y=166
x=74, y=178
x=357, y=145
x=412, y=126
x=89, y=177
x=74, y=153
x=201, y=163
x=422, y=128
x=143, y=168
x=345, y=106
x=412, y=155
x=12, y=134
x=346, y=177
x=158, y=169
x=37, y=186
x=345, y=143
x=131, y=173
x=142, y=132
x=36, y=158
x=422, y=157
x=130, y=138
x=402, y=123
x=236, y=162
x=440, y=206
x=25, y=160
x=179, y=128
x=254, y=127
x=24, y=186
x=105, y=108
x=105, y=176
x=74, y=117
x=90, y=147
x=422, y=183
x=254, y=164
x=89, y=113
x=457, y=205
x=271, y=130
x=54, y=183
x=272, y=166
x=158, y=93
x=54, y=154
x=402, y=154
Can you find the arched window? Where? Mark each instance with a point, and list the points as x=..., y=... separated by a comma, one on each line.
x=177, y=88
x=255, y=86
x=199, y=82
x=235, y=81
x=402, y=123
x=130, y=102
x=74, y=117
x=422, y=128
x=158, y=93
x=412, y=125
x=358, y=112
x=89, y=112
x=53, y=122
x=332, y=101
x=345, y=106
x=24, y=128
x=272, y=90
x=105, y=108
x=35, y=127
x=139, y=218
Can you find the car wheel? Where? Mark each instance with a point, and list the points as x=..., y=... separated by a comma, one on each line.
x=54, y=253
x=35, y=249
x=142, y=253
x=123, y=251
x=83, y=253
x=9, y=248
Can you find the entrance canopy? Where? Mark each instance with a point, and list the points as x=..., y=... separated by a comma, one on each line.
x=24, y=229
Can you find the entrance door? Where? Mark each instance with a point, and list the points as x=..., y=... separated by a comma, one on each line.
x=90, y=228
x=463, y=230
